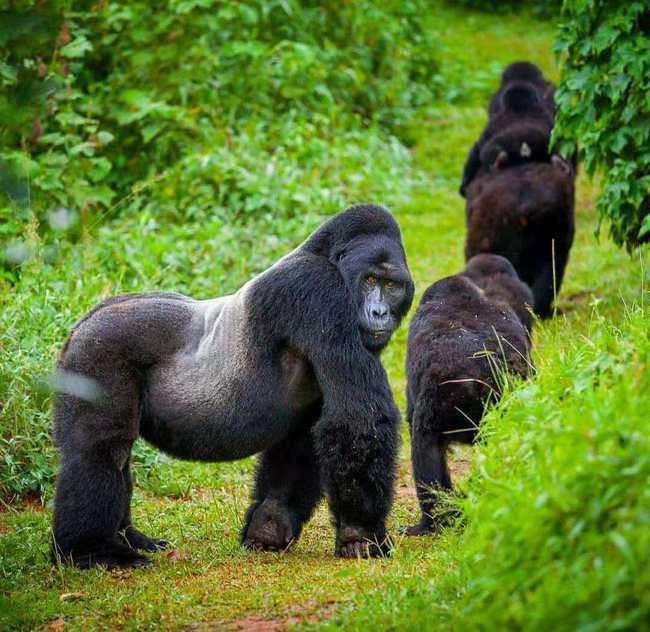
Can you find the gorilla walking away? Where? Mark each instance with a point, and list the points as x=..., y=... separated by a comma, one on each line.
x=525, y=214
x=468, y=330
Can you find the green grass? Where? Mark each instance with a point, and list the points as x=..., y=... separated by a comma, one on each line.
x=557, y=504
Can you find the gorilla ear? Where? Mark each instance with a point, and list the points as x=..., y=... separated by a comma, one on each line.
x=525, y=151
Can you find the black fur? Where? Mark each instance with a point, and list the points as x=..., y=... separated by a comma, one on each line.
x=521, y=118
x=288, y=366
x=525, y=214
x=450, y=378
x=527, y=72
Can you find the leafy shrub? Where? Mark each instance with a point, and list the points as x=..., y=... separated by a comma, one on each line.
x=102, y=102
x=52, y=145
x=604, y=106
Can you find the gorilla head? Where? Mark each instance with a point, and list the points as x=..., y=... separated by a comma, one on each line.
x=368, y=252
x=486, y=265
x=375, y=269
x=522, y=71
x=522, y=97
x=517, y=144
x=498, y=279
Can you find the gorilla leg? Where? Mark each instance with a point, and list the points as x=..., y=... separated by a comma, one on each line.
x=431, y=474
x=95, y=436
x=287, y=489
x=91, y=501
x=543, y=289
x=129, y=534
x=548, y=277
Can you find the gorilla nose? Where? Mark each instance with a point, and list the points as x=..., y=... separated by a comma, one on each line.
x=379, y=312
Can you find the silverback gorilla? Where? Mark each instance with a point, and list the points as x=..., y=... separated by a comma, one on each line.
x=526, y=214
x=287, y=366
x=466, y=327
x=521, y=118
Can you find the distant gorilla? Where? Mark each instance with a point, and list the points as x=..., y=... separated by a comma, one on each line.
x=287, y=366
x=462, y=334
x=527, y=72
x=525, y=214
x=521, y=118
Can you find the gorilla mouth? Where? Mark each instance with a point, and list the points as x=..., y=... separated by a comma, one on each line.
x=378, y=335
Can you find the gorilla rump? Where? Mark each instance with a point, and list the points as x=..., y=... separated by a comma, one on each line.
x=525, y=214
x=467, y=327
x=521, y=118
x=287, y=366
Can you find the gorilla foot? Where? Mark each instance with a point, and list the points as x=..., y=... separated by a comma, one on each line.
x=355, y=542
x=270, y=528
x=434, y=523
x=111, y=555
x=421, y=528
x=137, y=540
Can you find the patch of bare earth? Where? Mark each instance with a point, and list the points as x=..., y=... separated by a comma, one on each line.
x=458, y=467
x=260, y=624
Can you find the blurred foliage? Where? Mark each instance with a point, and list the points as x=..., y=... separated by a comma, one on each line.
x=604, y=106
x=543, y=8
x=101, y=104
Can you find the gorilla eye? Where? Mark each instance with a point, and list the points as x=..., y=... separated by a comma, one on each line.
x=392, y=285
x=371, y=280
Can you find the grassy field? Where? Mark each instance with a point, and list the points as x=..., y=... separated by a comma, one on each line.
x=208, y=581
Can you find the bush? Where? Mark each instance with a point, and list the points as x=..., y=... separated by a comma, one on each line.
x=102, y=102
x=604, y=107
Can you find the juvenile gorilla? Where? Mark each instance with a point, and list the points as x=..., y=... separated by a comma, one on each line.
x=525, y=214
x=521, y=118
x=288, y=366
x=467, y=327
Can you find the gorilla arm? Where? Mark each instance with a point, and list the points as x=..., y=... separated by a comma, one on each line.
x=356, y=437
x=357, y=441
x=473, y=163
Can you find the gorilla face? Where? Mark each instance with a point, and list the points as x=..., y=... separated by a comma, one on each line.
x=375, y=270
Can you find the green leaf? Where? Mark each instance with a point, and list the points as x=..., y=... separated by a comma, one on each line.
x=77, y=48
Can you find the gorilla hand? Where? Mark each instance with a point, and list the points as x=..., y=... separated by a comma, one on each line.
x=356, y=542
x=270, y=528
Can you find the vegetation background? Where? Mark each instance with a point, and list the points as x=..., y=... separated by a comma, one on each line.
x=189, y=151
